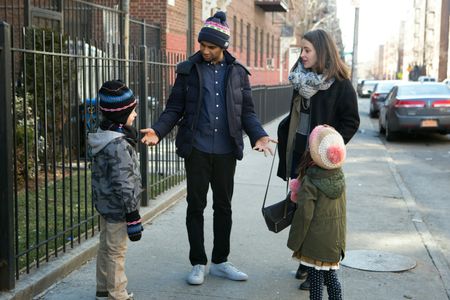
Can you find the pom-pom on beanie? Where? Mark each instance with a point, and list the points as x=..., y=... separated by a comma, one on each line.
x=216, y=30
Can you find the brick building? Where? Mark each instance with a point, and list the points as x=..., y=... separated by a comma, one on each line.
x=255, y=37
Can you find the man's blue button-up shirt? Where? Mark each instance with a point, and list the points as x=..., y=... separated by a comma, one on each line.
x=213, y=135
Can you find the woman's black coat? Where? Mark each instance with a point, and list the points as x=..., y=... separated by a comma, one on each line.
x=337, y=106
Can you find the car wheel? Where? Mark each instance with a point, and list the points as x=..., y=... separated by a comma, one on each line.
x=372, y=114
x=390, y=135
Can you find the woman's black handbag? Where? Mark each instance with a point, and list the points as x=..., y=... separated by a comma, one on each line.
x=278, y=216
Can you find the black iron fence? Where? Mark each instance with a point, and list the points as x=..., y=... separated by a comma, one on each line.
x=49, y=102
x=47, y=107
x=271, y=101
x=95, y=20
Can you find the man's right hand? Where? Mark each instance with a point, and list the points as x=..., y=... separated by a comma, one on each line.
x=150, y=138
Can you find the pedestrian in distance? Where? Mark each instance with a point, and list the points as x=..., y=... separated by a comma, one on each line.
x=323, y=94
x=212, y=104
x=318, y=229
x=116, y=187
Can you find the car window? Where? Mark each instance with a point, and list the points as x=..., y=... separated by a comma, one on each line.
x=391, y=95
x=384, y=87
x=369, y=82
x=424, y=89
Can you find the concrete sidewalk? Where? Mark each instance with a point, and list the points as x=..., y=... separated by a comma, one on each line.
x=380, y=217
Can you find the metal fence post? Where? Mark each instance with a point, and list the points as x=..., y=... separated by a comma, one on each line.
x=143, y=121
x=144, y=34
x=7, y=266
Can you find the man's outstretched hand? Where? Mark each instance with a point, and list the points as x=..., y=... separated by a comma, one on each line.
x=150, y=138
x=262, y=145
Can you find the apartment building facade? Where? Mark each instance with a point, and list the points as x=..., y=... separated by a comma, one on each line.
x=255, y=31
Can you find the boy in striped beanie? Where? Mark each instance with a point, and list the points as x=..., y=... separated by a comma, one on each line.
x=116, y=187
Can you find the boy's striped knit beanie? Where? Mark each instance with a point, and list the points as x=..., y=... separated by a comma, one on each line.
x=216, y=31
x=116, y=101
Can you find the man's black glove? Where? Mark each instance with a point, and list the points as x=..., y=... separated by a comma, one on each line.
x=134, y=226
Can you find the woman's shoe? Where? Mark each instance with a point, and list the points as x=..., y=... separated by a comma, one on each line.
x=302, y=272
x=306, y=285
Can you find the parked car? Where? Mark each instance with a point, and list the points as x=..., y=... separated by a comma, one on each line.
x=359, y=87
x=413, y=107
x=367, y=87
x=426, y=79
x=379, y=94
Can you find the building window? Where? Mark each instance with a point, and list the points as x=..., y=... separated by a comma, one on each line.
x=256, y=47
x=241, y=36
x=234, y=33
x=278, y=52
x=273, y=45
x=249, y=31
x=261, y=57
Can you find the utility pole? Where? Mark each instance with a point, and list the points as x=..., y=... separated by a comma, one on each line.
x=355, y=45
x=443, y=41
x=425, y=45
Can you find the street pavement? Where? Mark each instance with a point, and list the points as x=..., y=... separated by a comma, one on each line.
x=380, y=217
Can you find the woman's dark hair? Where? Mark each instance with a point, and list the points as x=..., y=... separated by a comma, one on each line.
x=329, y=62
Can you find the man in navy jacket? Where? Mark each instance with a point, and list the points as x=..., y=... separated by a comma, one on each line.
x=211, y=102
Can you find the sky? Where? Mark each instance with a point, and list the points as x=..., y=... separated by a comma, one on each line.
x=378, y=21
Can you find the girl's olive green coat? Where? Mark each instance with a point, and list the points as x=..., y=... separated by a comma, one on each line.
x=319, y=225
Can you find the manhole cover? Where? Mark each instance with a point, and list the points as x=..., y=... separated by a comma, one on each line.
x=377, y=261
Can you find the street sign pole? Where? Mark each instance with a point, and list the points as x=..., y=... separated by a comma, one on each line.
x=355, y=46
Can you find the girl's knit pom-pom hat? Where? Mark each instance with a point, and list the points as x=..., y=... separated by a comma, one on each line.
x=327, y=147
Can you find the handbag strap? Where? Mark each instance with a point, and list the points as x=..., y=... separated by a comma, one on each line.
x=270, y=176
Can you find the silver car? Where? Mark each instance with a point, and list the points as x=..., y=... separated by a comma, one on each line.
x=413, y=106
x=367, y=87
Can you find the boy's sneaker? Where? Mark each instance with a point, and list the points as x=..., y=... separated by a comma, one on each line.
x=197, y=275
x=104, y=296
x=227, y=270
x=101, y=295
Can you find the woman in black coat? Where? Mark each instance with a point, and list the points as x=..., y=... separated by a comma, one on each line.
x=323, y=94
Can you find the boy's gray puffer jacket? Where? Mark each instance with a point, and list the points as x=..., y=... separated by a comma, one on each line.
x=116, y=180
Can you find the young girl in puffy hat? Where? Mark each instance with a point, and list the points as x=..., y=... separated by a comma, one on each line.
x=317, y=234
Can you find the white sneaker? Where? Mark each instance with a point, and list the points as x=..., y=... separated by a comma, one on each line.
x=197, y=275
x=227, y=270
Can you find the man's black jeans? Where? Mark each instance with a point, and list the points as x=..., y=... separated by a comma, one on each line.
x=203, y=169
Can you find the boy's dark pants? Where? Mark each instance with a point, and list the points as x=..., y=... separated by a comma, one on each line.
x=218, y=170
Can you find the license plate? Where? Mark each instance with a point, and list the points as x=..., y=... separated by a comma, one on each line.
x=428, y=123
